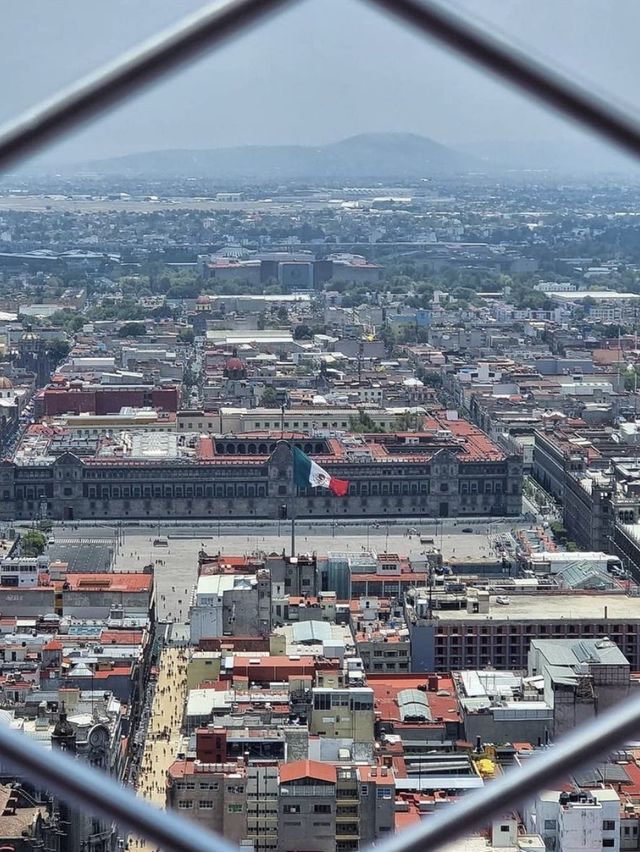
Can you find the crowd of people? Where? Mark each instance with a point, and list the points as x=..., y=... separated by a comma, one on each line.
x=164, y=731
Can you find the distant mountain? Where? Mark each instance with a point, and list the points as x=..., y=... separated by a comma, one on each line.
x=378, y=156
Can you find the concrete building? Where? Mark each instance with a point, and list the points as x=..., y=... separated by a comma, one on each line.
x=582, y=678
x=101, y=595
x=328, y=808
x=576, y=822
x=212, y=794
x=343, y=713
x=231, y=604
x=500, y=707
x=476, y=633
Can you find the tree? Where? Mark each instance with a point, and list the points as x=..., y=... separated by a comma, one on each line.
x=302, y=332
x=57, y=350
x=409, y=422
x=71, y=321
x=132, y=329
x=269, y=398
x=364, y=423
x=186, y=335
x=32, y=543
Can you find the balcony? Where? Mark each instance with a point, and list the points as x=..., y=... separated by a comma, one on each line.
x=347, y=797
x=347, y=833
x=346, y=818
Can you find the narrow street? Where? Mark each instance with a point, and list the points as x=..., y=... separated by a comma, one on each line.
x=163, y=738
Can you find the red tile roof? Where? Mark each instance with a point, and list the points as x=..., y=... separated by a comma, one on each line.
x=121, y=637
x=118, y=582
x=298, y=769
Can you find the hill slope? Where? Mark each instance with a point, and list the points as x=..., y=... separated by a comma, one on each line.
x=373, y=155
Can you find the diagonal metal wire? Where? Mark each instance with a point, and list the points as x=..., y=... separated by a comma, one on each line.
x=94, y=792
x=218, y=22
x=521, y=70
x=580, y=748
x=215, y=23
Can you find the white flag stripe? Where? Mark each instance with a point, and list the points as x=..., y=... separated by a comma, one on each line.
x=318, y=477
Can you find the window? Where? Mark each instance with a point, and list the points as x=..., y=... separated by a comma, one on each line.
x=185, y=805
x=234, y=808
x=206, y=805
x=609, y=841
x=550, y=825
x=322, y=701
x=504, y=828
x=322, y=809
x=608, y=825
x=291, y=809
x=364, y=790
x=384, y=792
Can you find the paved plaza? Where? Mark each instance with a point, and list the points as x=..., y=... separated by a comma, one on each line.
x=176, y=564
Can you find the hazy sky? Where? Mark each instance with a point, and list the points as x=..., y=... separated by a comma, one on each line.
x=325, y=70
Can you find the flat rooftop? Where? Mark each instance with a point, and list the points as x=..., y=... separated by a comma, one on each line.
x=553, y=607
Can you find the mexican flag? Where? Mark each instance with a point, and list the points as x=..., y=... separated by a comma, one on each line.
x=307, y=473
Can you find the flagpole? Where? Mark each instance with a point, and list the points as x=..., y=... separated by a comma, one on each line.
x=293, y=521
x=294, y=506
x=294, y=498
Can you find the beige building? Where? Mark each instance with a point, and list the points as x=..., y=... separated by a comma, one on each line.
x=202, y=666
x=343, y=713
x=237, y=421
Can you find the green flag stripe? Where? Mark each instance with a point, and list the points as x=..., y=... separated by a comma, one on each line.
x=301, y=468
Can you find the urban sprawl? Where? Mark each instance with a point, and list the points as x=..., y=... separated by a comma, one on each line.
x=319, y=506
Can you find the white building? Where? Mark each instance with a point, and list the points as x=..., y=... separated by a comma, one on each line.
x=230, y=604
x=22, y=571
x=576, y=822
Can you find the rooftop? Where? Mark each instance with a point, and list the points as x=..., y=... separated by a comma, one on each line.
x=315, y=769
x=119, y=582
x=547, y=607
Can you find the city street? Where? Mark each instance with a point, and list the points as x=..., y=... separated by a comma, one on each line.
x=163, y=738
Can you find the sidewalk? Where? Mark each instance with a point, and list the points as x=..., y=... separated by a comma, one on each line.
x=164, y=736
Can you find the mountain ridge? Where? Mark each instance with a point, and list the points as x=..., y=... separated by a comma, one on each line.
x=376, y=155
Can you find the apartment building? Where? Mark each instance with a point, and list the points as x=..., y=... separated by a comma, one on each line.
x=333, y=808
x=212, y=794
x=237, y=604
x=384, y=649
x=582, y=678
